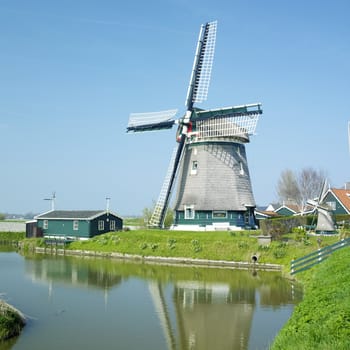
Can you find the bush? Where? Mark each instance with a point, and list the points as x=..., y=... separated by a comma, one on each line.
x=196, y=245
x=11, y=321
x=279, y=226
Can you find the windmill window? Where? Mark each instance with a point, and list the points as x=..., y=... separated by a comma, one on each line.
x=189, y=212
x=75, y=225
x=194, y=167
x=241, y=170
x=220, y=214
x=45, y=224
x=246, y=218
x=101, y=225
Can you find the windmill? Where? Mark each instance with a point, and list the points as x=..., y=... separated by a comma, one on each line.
x=325, y=222
x=214, y=185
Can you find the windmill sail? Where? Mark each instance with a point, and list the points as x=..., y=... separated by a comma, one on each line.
x=202, y=65
x=238, y=121
x=158, y=216
x=197, y=92
x=139, y=122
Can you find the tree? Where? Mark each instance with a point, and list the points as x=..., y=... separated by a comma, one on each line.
x=310, y=184
x=287, y=187
x=297, y=188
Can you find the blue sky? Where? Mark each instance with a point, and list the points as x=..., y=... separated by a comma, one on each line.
x=72, y=71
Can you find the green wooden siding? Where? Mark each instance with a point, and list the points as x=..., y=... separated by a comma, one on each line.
x=330, y=198
x=285, y=211
x=59, y=227
x=86, y=228
x=204, y=218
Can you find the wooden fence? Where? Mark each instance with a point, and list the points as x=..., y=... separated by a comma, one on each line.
x=317, y=256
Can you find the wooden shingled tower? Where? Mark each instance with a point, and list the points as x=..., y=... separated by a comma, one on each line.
x=214, y=189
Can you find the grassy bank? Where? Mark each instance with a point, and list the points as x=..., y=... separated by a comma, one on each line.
x=11, y=321
x=322, y=319
x=231, y=246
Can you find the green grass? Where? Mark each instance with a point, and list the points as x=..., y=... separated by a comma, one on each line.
x=231, y=246
x=322, y=320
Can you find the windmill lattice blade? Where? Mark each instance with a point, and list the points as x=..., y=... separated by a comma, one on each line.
x=158, y=216
x=151, y=121
x=323, y=191
x=232, y=121
x=202, y=65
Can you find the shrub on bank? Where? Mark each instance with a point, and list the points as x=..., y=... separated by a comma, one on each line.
x=276, y=227
x=12, y=236
x=11, y=321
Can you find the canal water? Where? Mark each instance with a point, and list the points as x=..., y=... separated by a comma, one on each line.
x=95, y=303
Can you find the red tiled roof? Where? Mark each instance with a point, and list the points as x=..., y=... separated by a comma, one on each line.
x=343, y=196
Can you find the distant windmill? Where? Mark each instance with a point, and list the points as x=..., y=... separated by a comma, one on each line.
x=52, y=200
x=214, y=186
x=325, y=222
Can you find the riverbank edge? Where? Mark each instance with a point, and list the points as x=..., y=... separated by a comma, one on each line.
x=321, y=320
x=12, y=321
x=163, y=260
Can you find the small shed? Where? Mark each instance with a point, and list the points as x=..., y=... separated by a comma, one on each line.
x=77, y=224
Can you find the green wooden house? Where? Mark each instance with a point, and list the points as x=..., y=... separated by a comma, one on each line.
x=338, y=199
x=287, y=210
x=76, y=224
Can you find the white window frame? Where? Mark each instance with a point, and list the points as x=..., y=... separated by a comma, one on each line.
x=75, y=225
x=45, y=224
x=101, y=225
x=112, y=225
x=194, y=167
x=189, y=212
x=332, y=205
x=241, y=169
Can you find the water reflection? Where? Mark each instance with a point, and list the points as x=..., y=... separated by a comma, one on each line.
x=197, y=308
x=77, y=272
